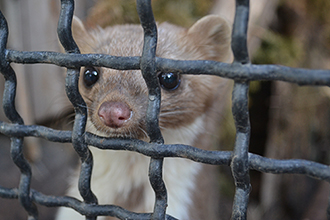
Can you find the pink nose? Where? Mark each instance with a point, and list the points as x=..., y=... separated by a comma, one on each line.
x=114, y=114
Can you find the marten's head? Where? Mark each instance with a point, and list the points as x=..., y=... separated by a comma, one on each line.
x=117, y=100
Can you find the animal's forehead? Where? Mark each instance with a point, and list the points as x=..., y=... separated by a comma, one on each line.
x=127, y=40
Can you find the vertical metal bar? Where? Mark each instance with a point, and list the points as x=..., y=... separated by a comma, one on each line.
x=148, y=69
x=240, y=163
x=64, y=27
x=11, y=113
x=72, y=81
x=239, y=36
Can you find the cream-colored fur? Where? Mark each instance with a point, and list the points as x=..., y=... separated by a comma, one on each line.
x=110, y=179
x=121, y=178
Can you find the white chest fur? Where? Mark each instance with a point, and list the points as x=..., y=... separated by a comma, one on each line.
x=117, y=173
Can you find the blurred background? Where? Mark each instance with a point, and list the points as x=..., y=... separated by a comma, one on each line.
x=287, y=121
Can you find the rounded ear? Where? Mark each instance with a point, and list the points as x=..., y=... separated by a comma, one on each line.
x=212, y=37
x=83, y=39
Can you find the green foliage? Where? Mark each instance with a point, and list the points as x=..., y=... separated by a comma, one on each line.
x=180, y=12
x=318, y=9
x=279, y=49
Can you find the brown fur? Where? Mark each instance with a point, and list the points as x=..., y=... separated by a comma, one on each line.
x=205, y=40
x=197, y=97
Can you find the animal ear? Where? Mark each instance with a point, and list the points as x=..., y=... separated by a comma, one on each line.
x=82, y=37
x=212, y=36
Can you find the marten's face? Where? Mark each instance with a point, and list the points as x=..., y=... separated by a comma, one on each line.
x=117, y=100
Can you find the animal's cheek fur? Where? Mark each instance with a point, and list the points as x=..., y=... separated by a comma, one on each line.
x=193, y=98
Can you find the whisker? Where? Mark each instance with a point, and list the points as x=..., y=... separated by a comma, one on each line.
x=162, y=114
x=143, y=131
x=196, y=108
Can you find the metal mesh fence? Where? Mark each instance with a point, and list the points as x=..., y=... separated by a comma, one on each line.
x=240, y=160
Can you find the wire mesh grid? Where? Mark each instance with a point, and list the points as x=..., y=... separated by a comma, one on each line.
x=240, y=160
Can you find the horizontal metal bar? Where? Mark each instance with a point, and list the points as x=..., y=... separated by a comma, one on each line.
x=290, y=166
x=160, y=150
x=73, y=60
x=256, y=162
x=233, y=71
x=15, y=130
x=79, y=206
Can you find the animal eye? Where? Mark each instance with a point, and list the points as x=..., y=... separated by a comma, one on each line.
x=169, y=81
x=91, y=75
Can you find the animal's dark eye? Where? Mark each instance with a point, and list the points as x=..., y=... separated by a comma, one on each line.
x=169, y=81
x=91, y=75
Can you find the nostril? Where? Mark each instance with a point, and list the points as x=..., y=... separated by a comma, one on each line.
x=114, y=114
